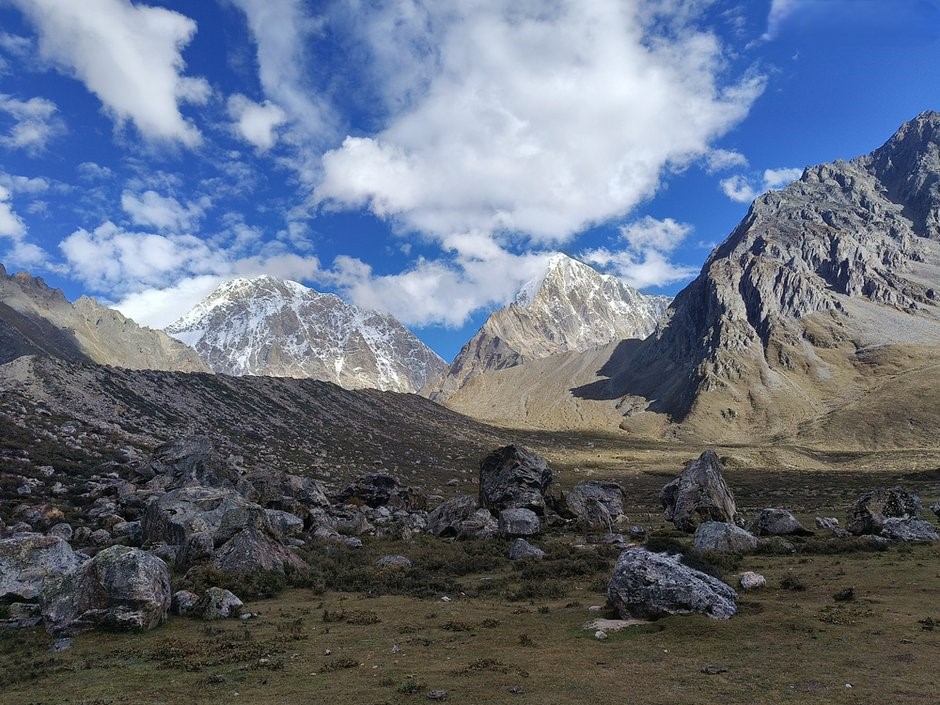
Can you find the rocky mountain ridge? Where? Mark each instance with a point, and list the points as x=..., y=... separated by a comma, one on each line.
x=570, y=307
x=268, y=326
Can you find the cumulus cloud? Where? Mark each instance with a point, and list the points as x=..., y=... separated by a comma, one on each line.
x=92, y=171
x=35, y=123
x=256, y=123
x=539, y=119
x=20, y=252
x=15, y=183
x=723, y=159
x=644, y=260
x=780, y=10
x=742, y=189
x=129, y=55
x=163, y=212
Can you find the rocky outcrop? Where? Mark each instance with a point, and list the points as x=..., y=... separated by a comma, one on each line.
x=252, y=551
x=723, y=538
x=652, y=585
x=777, y=522
x=909, y=529
x=514, y=478
x=699, y=494
x=446, y=518
x=29, y=561
x=187, y=462
x=379, y=489
x=120, y=588
x=175, y=516
x=596, y=505
x=867, y=515
x=279, y=328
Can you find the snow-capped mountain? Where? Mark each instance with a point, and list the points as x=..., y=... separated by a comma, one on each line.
x=570, y=306
x=279, y=328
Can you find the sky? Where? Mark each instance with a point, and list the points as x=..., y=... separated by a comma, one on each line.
x=424, y=157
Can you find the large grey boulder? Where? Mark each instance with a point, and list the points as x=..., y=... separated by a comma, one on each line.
x=218, y=603
x=518, y=522
x=652, y=585
x=522, y=550
x=596, y=505
x=867, y=515
x=514, y=478
x=178, y=514
x=699, y=494
x=120, y=588
x=273, y=489
x=250, y=552
x=447, y=516
x=898, y=529
x=187, y=462
x=379, y=489
x=722, y=537
x=777, y=522
x=478, y=526
x=29, y=561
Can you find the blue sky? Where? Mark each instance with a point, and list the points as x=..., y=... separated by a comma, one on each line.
x=423, y=157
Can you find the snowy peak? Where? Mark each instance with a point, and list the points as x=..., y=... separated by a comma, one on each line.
x=569, y=307
x=269, y=326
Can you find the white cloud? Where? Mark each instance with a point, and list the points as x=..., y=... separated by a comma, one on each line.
x=722, y=159
x=93, y=171
x=36, y=122
x=12, y=228
x=162, y=212
x=23, y=184
x=257, y=123
x=539, y=119
x=741, y=189
x=644, y=262
x=129, y=55
x=780, y=10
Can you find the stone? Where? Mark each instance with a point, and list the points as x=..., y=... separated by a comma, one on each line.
x=445, y=519
x=935, y=508
x=867, y=515
x=331, y=535
x=120, y=588
x=777, y=522
x=100, y=537
x=279, y=490
x=912, y=530
x=187, y=462
x=197, y=549
x=723, y=537
x=518, y=522
x=218, y=603
x=62, y=530
x=478, y=526
x=40, y=516
x=514, y=478
x=285, y=523
x=29, y=561
x=250, y=552
x=378, y=489
x=596, y=505
x=184, y=602
x=131, y=530
x=178, y=514
x=393, y=562
x=652, y=585
x=699, y=494
x=752, y=581
x=523, y=550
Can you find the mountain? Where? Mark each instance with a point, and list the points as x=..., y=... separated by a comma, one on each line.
x=570, y=307
x=279, y=328
x=36, y=319
x=817, y=319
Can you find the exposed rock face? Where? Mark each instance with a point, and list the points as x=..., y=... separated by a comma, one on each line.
x=522, y=550
x=908, y=529
x=569, y=307
x=279, y=328
x=722, y=537
x=513, y=477
x=868, y=514
x=379, y=489
x=29, y=561
x=699, y=494
x=120, y=588
x=35, y=319
x=651, y=585
x=174, y=517
x=518, y=522
x=777, y=522
x=596, y=505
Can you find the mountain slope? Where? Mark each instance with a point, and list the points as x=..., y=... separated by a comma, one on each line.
x=35, y=319
x=266, y=326
x=818, y=312
x=571, y=307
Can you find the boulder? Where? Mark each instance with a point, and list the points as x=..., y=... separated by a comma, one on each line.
x=514, y=478
x=777, y=522
x=120, y=588
x=518, y=522
x=596, y=505
x=699, y=494
x=867, y=515
x=250, y=552
x=446, y=517
x=897, y=529
x=330, y=535
x=379, y=489
x=752, y=581
x=187, y=462
x=39, y=516
x=196, y=549
x=285, y=523
x=273, y=489
x=479, y=525
x=652, y=585
x=218, y=603
x=831, y=524
x=935, y=508
x=723, y=537
x=62, y=530
x=178, y=514
x=29, y=561
x=393, y=562
x=184, y=602
x=522, y=550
